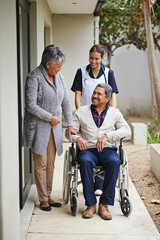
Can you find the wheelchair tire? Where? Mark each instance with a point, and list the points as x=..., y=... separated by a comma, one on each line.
x=74, y=204
x=126, y=206
x=66, y=178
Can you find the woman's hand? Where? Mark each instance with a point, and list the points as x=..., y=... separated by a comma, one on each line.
x=54, y=120
x=82, y=144
x=71, y=131
x=100, y=142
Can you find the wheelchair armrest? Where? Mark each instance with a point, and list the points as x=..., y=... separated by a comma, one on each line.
x=121, y=152
x=121, y=155
x=66, y=135
x=74, y=154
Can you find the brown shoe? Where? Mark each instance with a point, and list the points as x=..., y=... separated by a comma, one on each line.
x=88, y=213
x=45, y=206
x=104, y=212
x=53, y=203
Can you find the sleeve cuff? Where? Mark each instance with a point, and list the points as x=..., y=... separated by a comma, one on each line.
x=111, y=136
x=49, y=116
x=74, y=138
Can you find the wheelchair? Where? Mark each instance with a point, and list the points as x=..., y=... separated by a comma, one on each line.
x=71, y=180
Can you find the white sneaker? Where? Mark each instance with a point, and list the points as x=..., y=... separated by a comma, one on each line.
x=98, y=192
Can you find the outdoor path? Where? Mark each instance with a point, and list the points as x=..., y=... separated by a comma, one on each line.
x=60, y=224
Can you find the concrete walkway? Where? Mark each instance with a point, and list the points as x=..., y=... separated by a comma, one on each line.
x=60, y=224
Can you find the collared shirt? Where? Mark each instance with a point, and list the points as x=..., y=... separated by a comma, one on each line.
x=98, y=119
x=77, y=83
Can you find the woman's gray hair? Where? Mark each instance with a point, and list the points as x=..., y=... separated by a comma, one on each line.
x=52, y=54
x=107, y=88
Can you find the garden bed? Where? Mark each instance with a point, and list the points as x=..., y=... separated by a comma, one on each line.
x=143, y=179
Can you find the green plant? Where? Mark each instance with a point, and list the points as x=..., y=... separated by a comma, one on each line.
x=153, y=132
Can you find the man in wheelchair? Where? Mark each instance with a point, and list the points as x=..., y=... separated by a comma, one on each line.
x=98, y=126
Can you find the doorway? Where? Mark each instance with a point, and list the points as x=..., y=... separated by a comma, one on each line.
x=23, y=62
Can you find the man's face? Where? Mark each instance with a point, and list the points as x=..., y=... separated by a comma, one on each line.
x=99, y=97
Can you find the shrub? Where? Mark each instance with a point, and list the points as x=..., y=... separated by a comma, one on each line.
x=153, y=132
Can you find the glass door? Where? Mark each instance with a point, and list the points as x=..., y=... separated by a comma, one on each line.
x=25, y=163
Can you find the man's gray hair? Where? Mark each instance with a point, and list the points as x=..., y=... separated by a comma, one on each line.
x=52, y=54
x=107, y=88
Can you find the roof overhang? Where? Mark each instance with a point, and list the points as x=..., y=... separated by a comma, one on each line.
x=98, y=7
x=76, y=6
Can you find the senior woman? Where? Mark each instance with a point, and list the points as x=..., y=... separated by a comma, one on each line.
x=46, y=97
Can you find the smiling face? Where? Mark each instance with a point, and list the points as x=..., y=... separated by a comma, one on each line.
x=53, y=69
x=95, y=60
x=99, y=98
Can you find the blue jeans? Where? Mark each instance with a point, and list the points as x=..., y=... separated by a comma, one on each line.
x=109, y=159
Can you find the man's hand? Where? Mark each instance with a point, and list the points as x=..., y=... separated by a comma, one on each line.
x=71, y=131
x=82, y=144
x=100, y=142
x=54, y=120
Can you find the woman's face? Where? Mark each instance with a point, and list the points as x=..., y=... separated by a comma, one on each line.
x=95, y=60
x=53, y=69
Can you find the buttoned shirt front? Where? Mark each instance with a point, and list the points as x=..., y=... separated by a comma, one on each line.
x=98, y=118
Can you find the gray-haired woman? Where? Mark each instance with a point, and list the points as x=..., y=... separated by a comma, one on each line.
x=46, y=97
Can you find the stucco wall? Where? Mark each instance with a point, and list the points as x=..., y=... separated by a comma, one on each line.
x=40, y=17
x=74, y=33
x=9, y=166
x=132, y=75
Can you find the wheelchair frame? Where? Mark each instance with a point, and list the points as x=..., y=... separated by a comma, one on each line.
x=70, y=180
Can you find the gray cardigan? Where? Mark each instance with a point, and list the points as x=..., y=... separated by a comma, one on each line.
x=42, y=101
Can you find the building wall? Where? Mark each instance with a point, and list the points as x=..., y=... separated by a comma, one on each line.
x=75, y=34
x=40, y=17
x=131, y=71
x=9, y=159
x=9, y=149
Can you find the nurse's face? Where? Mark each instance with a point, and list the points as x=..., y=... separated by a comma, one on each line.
x=95, y=60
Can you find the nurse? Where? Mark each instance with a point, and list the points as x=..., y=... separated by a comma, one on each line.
x=85, y=81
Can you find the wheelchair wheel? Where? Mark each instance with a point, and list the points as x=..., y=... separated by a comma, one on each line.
x=66, y=178
x=126, y=206
x=74, y=204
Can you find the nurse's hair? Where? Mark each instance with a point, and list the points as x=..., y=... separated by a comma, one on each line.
x=98, y=48
x=52, y=54
x=107, y=88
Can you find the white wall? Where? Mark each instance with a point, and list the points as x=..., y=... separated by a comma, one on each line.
x=33, y=35
x=43, y=17
x=131, y=71
x=9, y=165
x=75, y=34
x=40, y=17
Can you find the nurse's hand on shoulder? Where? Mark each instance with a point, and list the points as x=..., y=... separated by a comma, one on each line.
x=54, y=120
x=82, y=144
